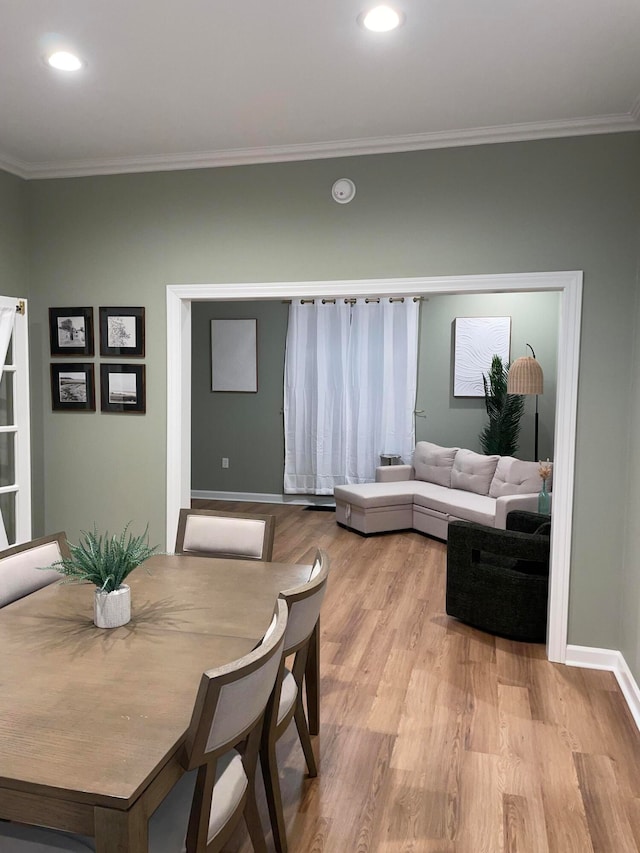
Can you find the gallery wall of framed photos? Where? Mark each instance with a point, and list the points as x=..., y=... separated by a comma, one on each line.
x=73, y=384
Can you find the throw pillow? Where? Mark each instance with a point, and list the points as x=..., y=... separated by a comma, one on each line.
x=516, y=477
x=473, y=472
x=433, y=463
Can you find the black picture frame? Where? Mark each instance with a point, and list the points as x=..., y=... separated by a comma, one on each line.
x=123, y=388
x=122, y=332
x=73, y=387
x=71, y=331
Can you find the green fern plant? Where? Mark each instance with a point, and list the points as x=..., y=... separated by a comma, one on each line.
x=104, y=560
x=501, y=434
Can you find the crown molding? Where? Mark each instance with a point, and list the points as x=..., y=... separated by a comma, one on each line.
x=527, y=131
x=13, y=166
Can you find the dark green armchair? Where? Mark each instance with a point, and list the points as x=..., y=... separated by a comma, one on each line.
x=497, y=580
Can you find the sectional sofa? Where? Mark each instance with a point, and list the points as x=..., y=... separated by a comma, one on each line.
x=443, y=484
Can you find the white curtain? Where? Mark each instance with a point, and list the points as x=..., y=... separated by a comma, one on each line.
x=314, y=399
x=381, y=391
x=350, y=386
x=7, y=321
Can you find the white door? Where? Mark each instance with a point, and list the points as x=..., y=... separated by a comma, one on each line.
x=15, y=437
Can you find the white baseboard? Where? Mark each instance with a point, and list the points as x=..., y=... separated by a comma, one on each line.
x=614, y=661
x=262, y=497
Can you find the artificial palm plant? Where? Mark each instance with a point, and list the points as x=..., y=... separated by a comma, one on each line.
x=104, y=560
x=501, y=434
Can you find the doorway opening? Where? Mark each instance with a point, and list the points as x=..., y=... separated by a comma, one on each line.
x=569, y=286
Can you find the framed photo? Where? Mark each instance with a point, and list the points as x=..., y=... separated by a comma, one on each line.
x=71, y=331
x=122, y=332
x=477, y=340
x=234, y=363
x=122, y=388
x=73, y=387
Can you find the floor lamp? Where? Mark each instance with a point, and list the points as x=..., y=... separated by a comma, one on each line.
x=526, y=377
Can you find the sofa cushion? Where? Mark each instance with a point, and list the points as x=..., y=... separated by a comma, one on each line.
x=455, y=502
x=515, y=477
x=473, y=472
x=371, y=495
x=433, y=463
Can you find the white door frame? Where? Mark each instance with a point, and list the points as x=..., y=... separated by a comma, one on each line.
x=17, y=373
x=568, y=284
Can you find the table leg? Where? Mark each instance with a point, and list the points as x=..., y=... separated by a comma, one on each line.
x=120, y=831
x=312, y=681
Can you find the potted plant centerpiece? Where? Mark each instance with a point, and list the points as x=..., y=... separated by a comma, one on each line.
x=106, y=561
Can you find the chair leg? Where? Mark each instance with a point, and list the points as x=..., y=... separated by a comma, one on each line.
x=305, y=738
x=254, y=824
x=312, y=680
x=269, y=765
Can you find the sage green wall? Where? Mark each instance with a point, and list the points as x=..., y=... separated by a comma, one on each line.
x=13, y=236
x=630, y=583
x=545, y=205
x=458, y=421
x=246, y=428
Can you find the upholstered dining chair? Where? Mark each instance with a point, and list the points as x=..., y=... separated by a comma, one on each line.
x=286, y=703
x=203, y=809
x=20, y=566
x=212, y=533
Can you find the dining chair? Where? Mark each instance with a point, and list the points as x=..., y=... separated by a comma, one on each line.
x=212, y=533
x=286, y=703
x=203, y=809
x=20, y=566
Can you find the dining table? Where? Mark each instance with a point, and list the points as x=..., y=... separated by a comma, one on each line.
x=93, y=721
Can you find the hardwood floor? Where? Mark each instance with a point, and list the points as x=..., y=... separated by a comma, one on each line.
x=435, y=737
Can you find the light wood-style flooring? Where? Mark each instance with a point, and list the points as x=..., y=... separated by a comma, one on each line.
x=435, y=737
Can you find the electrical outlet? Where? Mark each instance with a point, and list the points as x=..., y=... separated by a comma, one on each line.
x=225, y=462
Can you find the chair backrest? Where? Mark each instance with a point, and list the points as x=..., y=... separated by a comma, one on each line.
x=212, y=533
x=232, y=698
x=304, y=604
x=21, y=566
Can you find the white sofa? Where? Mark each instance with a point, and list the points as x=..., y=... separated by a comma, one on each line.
x=444, y=484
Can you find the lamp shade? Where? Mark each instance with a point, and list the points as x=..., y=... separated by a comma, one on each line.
x=525, y=377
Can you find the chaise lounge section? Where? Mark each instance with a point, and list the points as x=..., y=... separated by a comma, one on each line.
x=443, y=484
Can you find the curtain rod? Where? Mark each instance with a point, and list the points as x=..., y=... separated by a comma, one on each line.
x=353, y=300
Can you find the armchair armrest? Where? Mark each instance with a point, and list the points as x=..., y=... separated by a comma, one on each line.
x=465, y=537
x=393, y=473
x=527, y=522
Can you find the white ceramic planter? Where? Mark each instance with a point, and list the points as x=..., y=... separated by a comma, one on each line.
x=112, y=609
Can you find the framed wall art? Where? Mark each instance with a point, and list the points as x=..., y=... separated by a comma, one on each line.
x=122, y=388
x=71, y=331
x=73, y=387
x=122, y=332
x=477, y=340
x=234, y=360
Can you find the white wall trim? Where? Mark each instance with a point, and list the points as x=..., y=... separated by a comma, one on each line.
x=178, y=411
x=569, y=284
x=521, y=132
x=613, y=661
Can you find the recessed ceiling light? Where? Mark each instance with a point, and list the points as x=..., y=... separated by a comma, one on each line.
x=381, y=19
x=64, y=61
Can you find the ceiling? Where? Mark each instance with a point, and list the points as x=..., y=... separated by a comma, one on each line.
x=172, y=85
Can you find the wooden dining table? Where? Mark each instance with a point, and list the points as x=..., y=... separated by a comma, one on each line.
x=93, y=721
